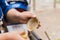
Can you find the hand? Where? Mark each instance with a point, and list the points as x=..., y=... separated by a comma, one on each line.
x=25, y=16
x=14, y=16
x=12, y=36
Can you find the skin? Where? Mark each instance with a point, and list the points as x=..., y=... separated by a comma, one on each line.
x=14, y=16
x=12, y=36
x=17, y=16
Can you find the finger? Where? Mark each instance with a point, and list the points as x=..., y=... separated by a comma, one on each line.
x=23, y=21
x=22, y=33
x=33, y=16
x=38, y=25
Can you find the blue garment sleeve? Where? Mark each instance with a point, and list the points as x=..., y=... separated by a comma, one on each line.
x=1, y=16
x=3, y=5
x=6, y=7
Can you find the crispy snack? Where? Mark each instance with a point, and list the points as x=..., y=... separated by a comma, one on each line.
x=32, y=24
x=24, y=35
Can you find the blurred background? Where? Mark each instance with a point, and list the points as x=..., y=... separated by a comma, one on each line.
x=48, y=12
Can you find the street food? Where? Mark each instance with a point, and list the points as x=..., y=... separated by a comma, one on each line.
x=24, y=35
x=32, y=24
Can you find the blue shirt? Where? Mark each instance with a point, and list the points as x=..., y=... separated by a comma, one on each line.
x=1, y=14
x=3, y=5
x=6, y=7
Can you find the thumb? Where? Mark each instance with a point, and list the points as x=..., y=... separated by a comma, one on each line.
x=32, y=16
